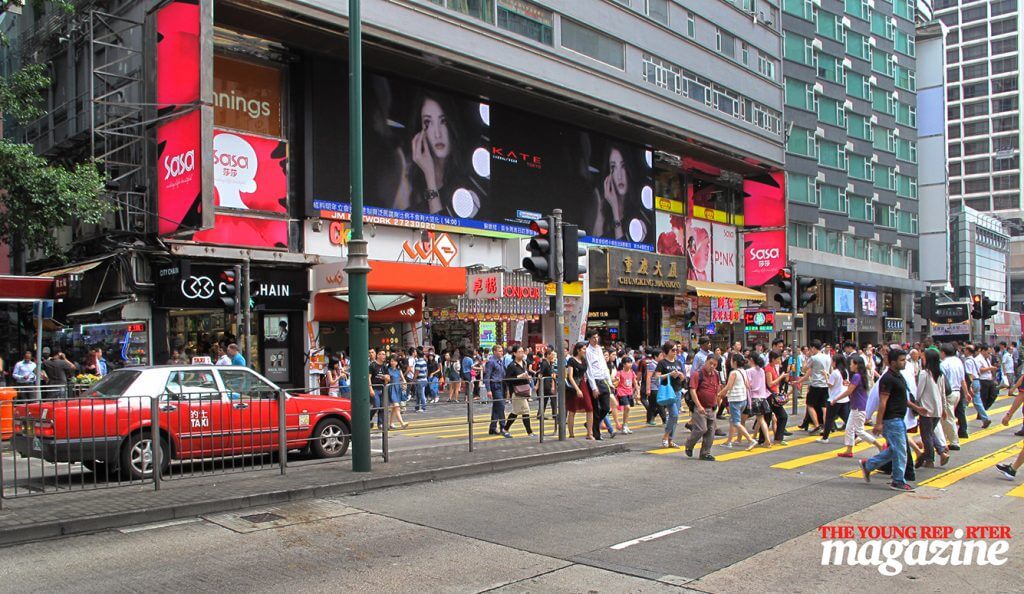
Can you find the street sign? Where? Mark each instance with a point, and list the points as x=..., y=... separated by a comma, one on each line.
x=950, y=313
x=851, y=324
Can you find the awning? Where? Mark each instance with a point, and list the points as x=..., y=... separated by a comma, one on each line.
x=392, y=278
x=24, y=289
x=98, y=309
x=709, y=289
x=76, y=269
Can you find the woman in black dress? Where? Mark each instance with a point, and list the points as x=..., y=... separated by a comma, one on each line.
x=577, y=392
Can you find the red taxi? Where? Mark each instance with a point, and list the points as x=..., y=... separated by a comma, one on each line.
x=204, y=412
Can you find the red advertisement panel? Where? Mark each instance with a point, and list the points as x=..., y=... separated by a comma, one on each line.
x=764, y=254
x=177, y=55
x=245, y=231
x=179, y=173
x=764, y=203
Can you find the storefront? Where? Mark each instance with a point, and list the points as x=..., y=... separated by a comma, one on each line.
x=190, y=316
x=720, y=313
x=893, y=330
x=499, y=306
x=630, y=286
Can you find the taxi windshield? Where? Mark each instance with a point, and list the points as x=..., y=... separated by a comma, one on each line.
x=113, y=385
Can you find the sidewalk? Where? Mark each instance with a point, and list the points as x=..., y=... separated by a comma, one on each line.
x=48, y=516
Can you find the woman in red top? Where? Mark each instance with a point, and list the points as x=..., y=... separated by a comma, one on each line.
x=626, y=391
x=773, y=380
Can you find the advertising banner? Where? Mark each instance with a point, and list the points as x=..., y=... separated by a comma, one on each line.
x=446, y=162
x=724, y=250
x=671, y=233
x=764, y=200
x=184, y=190
x=764, y=254
x=698, y=250
x=247, y=96
x=250, y=175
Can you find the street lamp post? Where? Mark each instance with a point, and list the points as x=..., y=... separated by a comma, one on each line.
x=358, y=265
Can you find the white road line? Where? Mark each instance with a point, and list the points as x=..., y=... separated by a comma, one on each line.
x=158, y=525
x=649, y=537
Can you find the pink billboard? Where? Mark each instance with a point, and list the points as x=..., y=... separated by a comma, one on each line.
x=764, y=254
x=179, y=173
x=764, y=200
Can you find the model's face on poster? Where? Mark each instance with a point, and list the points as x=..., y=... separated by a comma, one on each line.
x=617, y=170
x=435, y=128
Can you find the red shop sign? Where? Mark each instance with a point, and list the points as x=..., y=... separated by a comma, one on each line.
x=518, y=292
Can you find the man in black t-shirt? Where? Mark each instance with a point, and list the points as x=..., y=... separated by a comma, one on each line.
x=889, y=420
x=378, y=379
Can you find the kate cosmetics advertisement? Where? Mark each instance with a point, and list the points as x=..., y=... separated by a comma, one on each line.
x=435, y=159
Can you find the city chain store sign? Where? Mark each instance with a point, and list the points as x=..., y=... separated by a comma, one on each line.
x=636, y=272
x=201, y=286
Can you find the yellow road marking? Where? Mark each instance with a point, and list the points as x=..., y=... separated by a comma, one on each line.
x=1017, y=491
x=945, y=479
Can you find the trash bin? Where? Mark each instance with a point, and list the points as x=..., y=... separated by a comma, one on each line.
x=7, y=412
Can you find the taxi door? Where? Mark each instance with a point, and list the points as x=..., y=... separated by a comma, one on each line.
x=193, y=412
x=252, y=411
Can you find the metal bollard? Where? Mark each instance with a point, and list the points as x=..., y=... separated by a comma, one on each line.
x=385, y=404
x=469, y=415
x=540, y=413
x=154, y=433
x=282, y=432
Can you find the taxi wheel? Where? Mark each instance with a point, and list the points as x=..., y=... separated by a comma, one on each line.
x=330, y=438
x=137, y=456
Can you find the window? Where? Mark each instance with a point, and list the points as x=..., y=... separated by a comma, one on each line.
x=1004, y=182
x=882, y=62
x=745, y=53
x=976, y=147
x=956, y=188
x=1004, y=46
x=802, y=142
x=976, y=128
x=801, y=236
x=975, y=13
x=976, y=186
x=1005, y=123
x=798, y=49
x=857, y=85
x=481, y=9
x=528, y=20
x=974, y=33
x=886, y=178
x=953, y=131
x=906, y=150
x=885, y=216
x=904, y=44
x=954, y=169
x=954, y=150
x=857, y=46
x=974, y=90
x=830, y=242
x=799, y=94
x=691, y=25
x=800, y=188
x=953, y=55
x=978, y=108
x=859, y=127
x=976, y=166
x=725, y=43
x=978, y=70
x=192, y=385
x=1005, y=104
x=803, y=9
x=905, y=79
x=589, y=42
x=880, y=253
x=858, y=9
x=832, y=198
x=1003, y=7
x=1005, y=26
x=885, y=140
x=727, y=102
x=883, y=101
x=952, y=93
x=975, y=51
x=906, y=222
x=1005, y=143
x=832, y=155
x=657, y=10
x=1008, y=163
x=952, y=74
x=830, y=68
x=1003, y=65
x=862, y=209
x=860, y=167
x=832, y=112
x=906, y=186
x=662, y=74
x=246, y=384
x=906, y=114
x=697, y=88
x=766, y=67
x=765, y=118
x=856, y=247
x=882, y=25
x=831, y=26
x=1006, y=202
x=1004, y=85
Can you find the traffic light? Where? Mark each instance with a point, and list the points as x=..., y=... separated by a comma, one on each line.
x=541, y=262
x=988, y=307
x=691, y=319
x=784, y=281
x=976, y=306
x=805, y=291
x=919, y=305
x=572, y=252
x=229, y=294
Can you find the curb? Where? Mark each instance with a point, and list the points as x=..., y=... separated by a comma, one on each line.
x=87, y=524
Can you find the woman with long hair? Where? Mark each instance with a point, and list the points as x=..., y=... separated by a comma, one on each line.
x=396, y=389
x=931, y=396
x=860, y=374
x=758, y=385
x=452, y=365
x=620, y=213
x=516, y=376
x=737, y=395
x=546, y=373
x=577, y=394
x=774, y=382
x=627, y=390
x=838, y=396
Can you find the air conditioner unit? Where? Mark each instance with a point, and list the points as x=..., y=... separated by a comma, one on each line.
x=895, y=132
x=848, y=104
x=872, y=41
x=871, y=4
x=874, y=119
x=874, y=197
x=816, y=44
x=847, y=22
x=873, y=80
x=818, y=88
x=874, y=158
x=821, y=176
x=819, y=132
x=849, y=187
x=847, y=63
x=849, y=145
x=896, y=168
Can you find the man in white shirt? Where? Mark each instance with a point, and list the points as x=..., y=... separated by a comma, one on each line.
x=987, y=374
x=953, y=370
x=598, y=377
x=973, y=363
x=24, y=374
x=819, y=365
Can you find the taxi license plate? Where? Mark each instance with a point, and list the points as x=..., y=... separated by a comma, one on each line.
x=36, y=446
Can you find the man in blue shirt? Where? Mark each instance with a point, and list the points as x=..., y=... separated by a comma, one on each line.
x=467, y=371
x=236, y=357
x=419, y=365
x=494, y=380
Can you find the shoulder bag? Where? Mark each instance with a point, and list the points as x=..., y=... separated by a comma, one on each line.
x=666, y=395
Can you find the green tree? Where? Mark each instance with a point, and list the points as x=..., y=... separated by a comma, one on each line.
x=38, y=196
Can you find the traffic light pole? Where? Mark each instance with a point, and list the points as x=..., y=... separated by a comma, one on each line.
x=795, y=294
x=358, y=266
x=562, y=356
x=246, y=304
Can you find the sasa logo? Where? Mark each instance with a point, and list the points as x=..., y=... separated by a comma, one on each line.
x=765, y=254
x=179, y=164
x=229, y=160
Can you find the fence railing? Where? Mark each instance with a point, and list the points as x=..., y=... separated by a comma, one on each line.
x=61, y=440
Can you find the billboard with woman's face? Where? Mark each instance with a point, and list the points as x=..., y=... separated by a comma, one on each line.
x=439, y=160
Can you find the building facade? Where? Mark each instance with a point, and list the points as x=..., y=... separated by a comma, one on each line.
x=226, y=141
x=852, y=160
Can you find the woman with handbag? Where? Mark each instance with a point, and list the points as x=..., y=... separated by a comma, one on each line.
x=518, y=383
x=738, y=398
x=577, y=394
x=778, y=397
x=668, y=376
x=759, y=407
